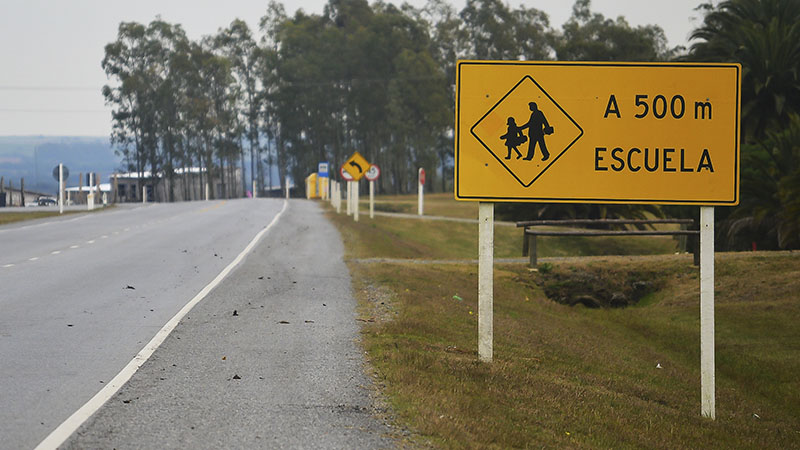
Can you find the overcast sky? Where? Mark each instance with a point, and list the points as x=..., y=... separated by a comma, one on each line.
x=50, y=50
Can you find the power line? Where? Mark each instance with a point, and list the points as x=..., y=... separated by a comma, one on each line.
x=50, y=88
x=57, y=111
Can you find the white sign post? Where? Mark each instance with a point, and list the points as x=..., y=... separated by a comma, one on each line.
x=61, y=189
x=90, y=197
x=371, y=199
x=372, y=174
x=208, y=192
x=338, y=198
x=255, y=192
x=355, y=201
x=485, y=280
x=707, y=380
x=348, y=178
x=349, y=200
x=421, y=189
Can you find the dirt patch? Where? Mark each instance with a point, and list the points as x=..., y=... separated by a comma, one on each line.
x=599, y=287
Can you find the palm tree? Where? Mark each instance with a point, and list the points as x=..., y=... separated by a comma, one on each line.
x=764, y=36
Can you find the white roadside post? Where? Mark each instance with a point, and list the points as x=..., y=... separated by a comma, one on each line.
x=255, y=192
x=90, y=197
x=349, y=203
x=287, y=188
x=707, y=369
x=144, y=194
x=208, y=192
x=60, y=189
x=420, y=190
x=355, y=201
x=372, y=199
x=338, y=198
x=485, y=280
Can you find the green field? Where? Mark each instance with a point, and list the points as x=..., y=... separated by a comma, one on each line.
x=572, y=376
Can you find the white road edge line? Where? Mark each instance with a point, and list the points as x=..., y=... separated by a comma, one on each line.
x=73, y=422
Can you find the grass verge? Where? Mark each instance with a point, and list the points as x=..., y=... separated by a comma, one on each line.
x=577, y=377
x=11, y=217
x=572, y=376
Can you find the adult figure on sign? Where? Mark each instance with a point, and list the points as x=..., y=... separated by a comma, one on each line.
x=537, y=128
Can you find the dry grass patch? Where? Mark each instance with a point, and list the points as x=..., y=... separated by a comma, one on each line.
x=584, y=378
x=11, y=217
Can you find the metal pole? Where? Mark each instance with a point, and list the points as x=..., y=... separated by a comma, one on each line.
x=372, y=199
x=707, y=312
x=485, y=280
x=90, y=195
x=61, y=189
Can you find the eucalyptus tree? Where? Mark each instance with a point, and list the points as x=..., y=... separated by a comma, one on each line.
x=238, y=44
x=270, y=26
x=126, y=63
x=589, y=36
x=167, y=41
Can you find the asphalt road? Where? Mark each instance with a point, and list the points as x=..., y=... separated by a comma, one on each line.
x=79, y=298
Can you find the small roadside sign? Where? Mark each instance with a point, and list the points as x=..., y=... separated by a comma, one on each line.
x=55, y=172
x=322, y=170
x=373, y=173
x=421, y=176
x=345, y=174
x=356, y=166
x=590, y=132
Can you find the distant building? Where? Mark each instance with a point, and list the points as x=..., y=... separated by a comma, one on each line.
x=10, y=196
x=186, y=184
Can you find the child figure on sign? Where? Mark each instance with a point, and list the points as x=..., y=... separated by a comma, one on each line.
x=513, y=138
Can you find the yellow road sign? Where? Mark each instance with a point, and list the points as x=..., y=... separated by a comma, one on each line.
x=661, y=133
x=357, y=166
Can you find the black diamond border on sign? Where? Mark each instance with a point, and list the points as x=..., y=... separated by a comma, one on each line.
x=472, y=130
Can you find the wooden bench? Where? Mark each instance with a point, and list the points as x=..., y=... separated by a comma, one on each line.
x=529, y=235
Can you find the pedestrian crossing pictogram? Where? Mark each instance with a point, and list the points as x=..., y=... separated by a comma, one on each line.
x=527, y=131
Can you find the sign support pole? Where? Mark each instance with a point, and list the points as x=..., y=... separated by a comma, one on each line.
x=255, y=191
x=355, y=201
x=60, y=189
x=485, y=280
x=707, y=375
x=338, y=198
x=349, y=200
x=420, y=192
x=372, y=199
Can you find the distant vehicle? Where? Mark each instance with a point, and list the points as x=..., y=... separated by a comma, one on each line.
x=47, y=201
